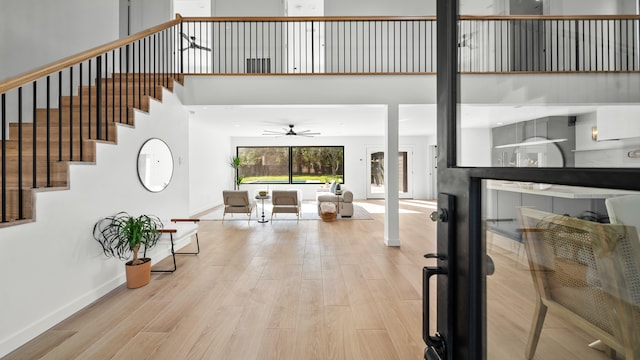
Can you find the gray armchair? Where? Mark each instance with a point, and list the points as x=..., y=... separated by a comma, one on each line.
x=286, y=201
x=237, y=202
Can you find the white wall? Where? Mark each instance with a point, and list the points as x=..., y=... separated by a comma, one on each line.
x=52, y=267
x=247, y=7
x=581, y=7
x=210, y=151
x=379, y=8
x=70, y=26
x=475, y=147
x=148, y=13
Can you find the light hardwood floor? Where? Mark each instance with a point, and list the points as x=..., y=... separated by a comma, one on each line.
x=287, y=290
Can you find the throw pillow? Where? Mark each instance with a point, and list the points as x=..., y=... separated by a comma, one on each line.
x=333, y=187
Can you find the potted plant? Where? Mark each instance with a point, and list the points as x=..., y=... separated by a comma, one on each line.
x=121, y=236
x=235, y=162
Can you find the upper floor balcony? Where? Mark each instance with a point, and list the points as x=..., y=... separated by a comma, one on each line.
x=405, y=45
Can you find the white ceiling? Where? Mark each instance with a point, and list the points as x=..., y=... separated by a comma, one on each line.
x=363, y=120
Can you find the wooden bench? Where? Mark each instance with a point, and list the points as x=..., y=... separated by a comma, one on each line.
x=179, y=233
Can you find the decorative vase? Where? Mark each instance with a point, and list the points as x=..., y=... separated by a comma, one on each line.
x=138, y=275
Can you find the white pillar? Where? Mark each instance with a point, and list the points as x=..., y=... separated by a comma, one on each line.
x=391, y=180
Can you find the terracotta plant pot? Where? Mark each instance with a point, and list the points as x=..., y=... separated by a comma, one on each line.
x=138, y=275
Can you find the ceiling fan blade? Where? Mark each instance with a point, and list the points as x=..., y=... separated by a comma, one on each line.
x=273, y=132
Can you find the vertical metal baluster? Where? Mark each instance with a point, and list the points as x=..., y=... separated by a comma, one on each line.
x=199, y=25
x=81, y=95
x=48, y=147
x=4, y=157
x=139, y=75
x=59, y=115
x=155, y=63
x=34, y=137
x=269, y=45
x=113, y=89
x=99, y=97
x=144, y=69
x=20, y=200
x=106, y=96
x=120, y=84
x=90, y=100
x=70, y=113
x=344, y=46
x=628, y=46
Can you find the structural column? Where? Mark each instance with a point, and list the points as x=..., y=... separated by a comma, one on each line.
x=391, y=180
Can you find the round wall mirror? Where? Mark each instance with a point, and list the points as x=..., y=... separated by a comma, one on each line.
x=155, y=165
x=540, y=153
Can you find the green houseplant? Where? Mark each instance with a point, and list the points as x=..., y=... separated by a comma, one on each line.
x=122, y=235
x=235, y=162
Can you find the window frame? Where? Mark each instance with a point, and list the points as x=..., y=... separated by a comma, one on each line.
x=290, y=149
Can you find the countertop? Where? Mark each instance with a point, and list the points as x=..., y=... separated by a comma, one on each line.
x=561, y=191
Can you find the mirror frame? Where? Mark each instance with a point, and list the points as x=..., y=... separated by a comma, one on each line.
x=150, y=187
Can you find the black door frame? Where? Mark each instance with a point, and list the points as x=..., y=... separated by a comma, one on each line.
x=461, y=293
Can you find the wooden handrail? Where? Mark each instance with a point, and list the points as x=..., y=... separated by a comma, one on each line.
x=550, y=17
x=405, y=18
x=65, y=63
x=307, y=18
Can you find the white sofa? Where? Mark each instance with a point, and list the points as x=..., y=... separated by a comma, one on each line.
x=342, y=200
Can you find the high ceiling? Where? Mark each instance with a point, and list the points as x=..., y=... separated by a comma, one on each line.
x=362, y=120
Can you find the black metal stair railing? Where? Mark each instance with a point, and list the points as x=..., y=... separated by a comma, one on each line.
x=74, y=103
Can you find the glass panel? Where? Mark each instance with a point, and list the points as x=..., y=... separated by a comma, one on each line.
x=555, y=91
x=262, y=165
x=377, y=172
x=376, y=187
x=317, y=164
x=572, y=250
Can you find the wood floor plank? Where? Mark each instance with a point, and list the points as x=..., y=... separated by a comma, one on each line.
x=102, y=347
x=342, y=337
x=212, y=342
x=406, y=339
x=311, y=342
x=141, y=346
x=363, y=307
x=376, y=344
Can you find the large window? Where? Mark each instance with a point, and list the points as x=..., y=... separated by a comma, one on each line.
x=291, y=164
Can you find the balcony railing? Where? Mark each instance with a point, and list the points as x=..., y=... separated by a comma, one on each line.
x=356, y=45
x=49, y=115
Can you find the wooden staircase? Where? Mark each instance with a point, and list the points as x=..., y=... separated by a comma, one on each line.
x=66, y=134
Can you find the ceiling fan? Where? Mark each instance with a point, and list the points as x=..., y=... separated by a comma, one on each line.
x=290, y=132
x=193, y=44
